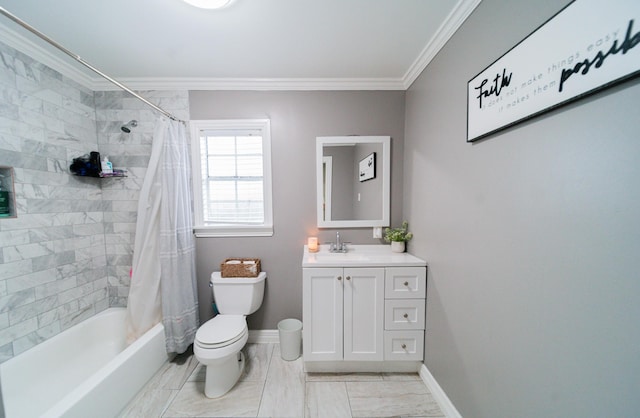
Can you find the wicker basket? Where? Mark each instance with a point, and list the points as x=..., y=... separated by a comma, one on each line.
x=242, y=267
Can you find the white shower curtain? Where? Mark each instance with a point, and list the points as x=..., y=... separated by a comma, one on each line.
x=163, y=282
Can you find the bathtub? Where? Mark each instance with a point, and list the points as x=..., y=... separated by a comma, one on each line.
x=85, y=371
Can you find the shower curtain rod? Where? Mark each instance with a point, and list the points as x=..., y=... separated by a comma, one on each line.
x=83, y=62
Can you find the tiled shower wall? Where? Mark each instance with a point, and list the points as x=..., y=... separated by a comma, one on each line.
x=68, y=254
x=131, y=152
x=53, y=272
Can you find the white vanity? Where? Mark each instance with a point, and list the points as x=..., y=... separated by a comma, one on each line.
x=364, y=310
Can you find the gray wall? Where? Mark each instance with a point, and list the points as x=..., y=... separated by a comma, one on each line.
x=297, y=118
x=532, y=237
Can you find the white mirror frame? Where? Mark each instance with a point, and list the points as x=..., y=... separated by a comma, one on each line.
x=386, y=180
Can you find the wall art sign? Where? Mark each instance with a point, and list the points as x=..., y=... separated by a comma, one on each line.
x=587, y=46
x=367, y=167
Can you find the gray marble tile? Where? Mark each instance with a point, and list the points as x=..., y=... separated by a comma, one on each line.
x=149, y=403
x=284, y=389
x=31, y=280
x=326, y=399
x=28, y=341
x=389, y=398
x=19, y=330
x=257, y=358
x=176, y=372
x=198, y=374
x=18, y=268
x=243, y=400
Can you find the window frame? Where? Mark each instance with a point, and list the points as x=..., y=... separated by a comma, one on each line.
x=200, y=229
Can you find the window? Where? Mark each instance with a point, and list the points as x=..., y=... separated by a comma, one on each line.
x=232, y=178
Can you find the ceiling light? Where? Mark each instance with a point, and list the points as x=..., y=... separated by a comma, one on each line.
x=209, y=4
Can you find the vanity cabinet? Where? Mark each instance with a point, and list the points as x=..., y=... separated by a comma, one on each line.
x=365, y=316
x=343, y=313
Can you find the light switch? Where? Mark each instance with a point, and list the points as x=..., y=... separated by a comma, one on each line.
x=377, y=232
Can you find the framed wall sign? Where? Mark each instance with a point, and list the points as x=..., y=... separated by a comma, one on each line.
x=587, y=46
x=367, y=167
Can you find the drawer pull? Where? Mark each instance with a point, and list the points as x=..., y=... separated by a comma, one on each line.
x=404, y=346
x=339, y=277
x=406, y=284
x=348, y=277
x=406, y=315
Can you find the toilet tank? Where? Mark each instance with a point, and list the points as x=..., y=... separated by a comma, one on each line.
x=238, y=295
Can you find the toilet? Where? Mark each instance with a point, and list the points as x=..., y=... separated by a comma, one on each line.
x=219, y=340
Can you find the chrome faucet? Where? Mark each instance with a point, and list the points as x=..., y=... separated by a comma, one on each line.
x=338, y=247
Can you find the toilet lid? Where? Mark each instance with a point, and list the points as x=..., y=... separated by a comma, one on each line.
x=222, y=329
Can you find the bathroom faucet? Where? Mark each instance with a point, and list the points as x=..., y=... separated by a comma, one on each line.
x=338, y=247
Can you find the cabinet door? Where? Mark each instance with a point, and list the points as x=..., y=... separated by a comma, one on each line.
x=322, y=314
x=363, y=314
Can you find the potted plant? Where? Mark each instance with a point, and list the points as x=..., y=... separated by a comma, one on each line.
x=398, y=237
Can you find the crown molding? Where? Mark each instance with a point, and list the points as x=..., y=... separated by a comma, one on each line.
x=255, y=84
x=456, y=18
x=453, y=21
x=38, y=53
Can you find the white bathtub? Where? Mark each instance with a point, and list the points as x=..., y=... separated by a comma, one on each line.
x=84, y=371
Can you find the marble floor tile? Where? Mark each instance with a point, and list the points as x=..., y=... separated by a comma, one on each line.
x=176, y=372
x=243, y=400
x=149, y=403
x=257, y=357
x=198, y=374
x=273, y=387
x=391, y=398
x=327, y=399
x=284, y=389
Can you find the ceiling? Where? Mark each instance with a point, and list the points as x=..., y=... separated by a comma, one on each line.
x=304, y=44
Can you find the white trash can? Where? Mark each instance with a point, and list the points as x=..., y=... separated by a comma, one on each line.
x=290, y=332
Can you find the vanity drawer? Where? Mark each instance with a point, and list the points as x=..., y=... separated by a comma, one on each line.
x=403, y=345
x=404, y=314
x=405, y=282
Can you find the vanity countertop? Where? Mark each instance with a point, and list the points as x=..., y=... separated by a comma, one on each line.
x=360, y=256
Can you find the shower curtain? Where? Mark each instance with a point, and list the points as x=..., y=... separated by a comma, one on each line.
x=163, y=281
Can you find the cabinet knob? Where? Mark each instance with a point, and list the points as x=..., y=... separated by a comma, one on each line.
x=348, y=277
x=406, y=284
x=404, y=346
x=406, y=315
x=339, y=277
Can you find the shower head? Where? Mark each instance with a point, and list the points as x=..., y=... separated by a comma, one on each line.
x=127, y=127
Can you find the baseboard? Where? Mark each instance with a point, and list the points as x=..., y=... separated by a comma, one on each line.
x=264, y=336
x=443, y=400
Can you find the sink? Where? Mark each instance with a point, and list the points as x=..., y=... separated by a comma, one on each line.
x=359, y=256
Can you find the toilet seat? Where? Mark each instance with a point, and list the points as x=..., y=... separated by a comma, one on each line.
x=221, y=331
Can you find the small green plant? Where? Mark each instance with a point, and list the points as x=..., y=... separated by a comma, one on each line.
x=401, y=234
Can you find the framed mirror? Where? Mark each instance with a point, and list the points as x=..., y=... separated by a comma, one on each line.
x=353, y=181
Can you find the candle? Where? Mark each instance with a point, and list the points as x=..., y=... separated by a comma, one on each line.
x=312, y=244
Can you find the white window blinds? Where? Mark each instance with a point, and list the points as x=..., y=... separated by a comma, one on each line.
x=232, y=177
x=232, y=183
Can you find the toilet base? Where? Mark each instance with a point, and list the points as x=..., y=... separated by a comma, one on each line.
x=223, y=376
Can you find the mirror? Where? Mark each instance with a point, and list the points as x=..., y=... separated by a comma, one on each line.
x=353, y=181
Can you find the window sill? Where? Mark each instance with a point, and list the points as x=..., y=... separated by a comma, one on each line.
x=232, y=231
